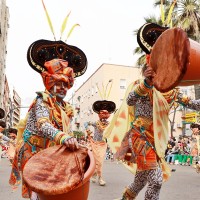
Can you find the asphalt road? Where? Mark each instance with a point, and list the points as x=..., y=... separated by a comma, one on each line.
x=184, y=184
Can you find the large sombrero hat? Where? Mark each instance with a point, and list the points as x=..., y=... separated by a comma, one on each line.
x=2, y=113
x=103, y=105
x=148, y=34
x=42, y=51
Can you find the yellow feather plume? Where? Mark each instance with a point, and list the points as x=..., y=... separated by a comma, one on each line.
x=162, y=12
x=71, y=30
x=64, y=25
x=169, y=16
x=109, y=91
x=48, y=19
x=99, y=91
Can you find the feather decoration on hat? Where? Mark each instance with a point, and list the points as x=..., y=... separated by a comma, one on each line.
x=162, y=12
x=48, y=19
x=64, y=25
x=71, y=30
x=169, y=16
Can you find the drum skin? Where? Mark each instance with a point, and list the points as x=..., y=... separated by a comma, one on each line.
x=176, y=60
x=79, y=192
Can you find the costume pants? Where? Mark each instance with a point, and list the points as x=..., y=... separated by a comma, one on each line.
x=99, y=151
x=153, y=178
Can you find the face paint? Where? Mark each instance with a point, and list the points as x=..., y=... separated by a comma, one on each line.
x=60, y=90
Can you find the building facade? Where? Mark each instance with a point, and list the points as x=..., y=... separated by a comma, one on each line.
x=4, y=16
x=15, y=109
x=6, y=99
x=108, y=82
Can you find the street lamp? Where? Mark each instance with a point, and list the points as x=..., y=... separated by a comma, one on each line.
x=11, y=113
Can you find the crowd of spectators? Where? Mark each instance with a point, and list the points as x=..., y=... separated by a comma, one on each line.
x=184, y=150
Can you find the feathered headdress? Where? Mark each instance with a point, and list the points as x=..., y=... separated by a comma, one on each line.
x=104, y=104
x=42, y=51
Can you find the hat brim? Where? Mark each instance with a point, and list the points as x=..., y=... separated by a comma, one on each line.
x=42, y=51
x=110, y=106
x=148, y=34
x=2, y=113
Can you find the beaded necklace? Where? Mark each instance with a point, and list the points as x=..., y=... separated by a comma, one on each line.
x=55, y=108
x=101, y=125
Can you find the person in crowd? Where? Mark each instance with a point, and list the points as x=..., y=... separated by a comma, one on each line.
x=48, y=121
x=4, y=140
x=98, y=145
x=171, y=154
x=195, y=146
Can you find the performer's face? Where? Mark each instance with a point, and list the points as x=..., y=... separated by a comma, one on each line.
x=103, y=115
x=60, y=89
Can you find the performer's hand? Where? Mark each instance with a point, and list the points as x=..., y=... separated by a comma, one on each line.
x=149, y=74
x=72, y=144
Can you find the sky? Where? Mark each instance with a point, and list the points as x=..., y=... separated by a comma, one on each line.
x=105, y=34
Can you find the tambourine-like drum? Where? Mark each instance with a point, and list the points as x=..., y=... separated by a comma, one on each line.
x=57, y=173
x=176, y=60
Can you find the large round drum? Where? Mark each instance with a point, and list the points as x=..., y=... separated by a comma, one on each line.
x=58, y=173
x=176, y=60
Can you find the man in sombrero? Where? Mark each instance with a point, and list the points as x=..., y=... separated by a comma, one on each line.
x=103, y=108
x=138, y=133
x=48, y=119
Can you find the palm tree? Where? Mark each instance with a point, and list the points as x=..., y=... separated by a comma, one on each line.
x=188, y=18
x=186, y=15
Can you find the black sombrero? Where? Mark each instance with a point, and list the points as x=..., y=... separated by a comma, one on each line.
x=103, y=105
x=41, y=51
x=148, y=34
x=2, y=113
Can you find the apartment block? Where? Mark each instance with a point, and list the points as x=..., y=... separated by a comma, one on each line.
x=4, y=17
x=108, y=82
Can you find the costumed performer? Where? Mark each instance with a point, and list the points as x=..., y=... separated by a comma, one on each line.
x=195, y=147
x=99, y=146
x=4, y=140
x=138, y=133
x=48, y=119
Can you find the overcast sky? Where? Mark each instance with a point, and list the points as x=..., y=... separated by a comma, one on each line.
x=105, y=35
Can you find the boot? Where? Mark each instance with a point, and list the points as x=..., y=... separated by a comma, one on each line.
x=127, y=195
x=101, y=181
x=94, y=178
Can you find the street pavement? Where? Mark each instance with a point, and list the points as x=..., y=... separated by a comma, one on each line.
x=184, y=183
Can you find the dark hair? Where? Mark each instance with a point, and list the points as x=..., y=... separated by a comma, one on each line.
x=2, y=124
x=193, y=125
x=13, y=130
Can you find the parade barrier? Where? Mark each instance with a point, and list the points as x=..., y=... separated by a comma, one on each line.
x=58, y=173
x=176, y=60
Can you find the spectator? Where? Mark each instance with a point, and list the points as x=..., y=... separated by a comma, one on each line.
x=171, y=155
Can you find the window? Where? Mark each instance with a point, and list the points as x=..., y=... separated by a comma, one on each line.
x=122, y=83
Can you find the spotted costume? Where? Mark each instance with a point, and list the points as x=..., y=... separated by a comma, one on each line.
x=138, y=133
x=47, y=122
x=43, y=129
x=98, y=144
